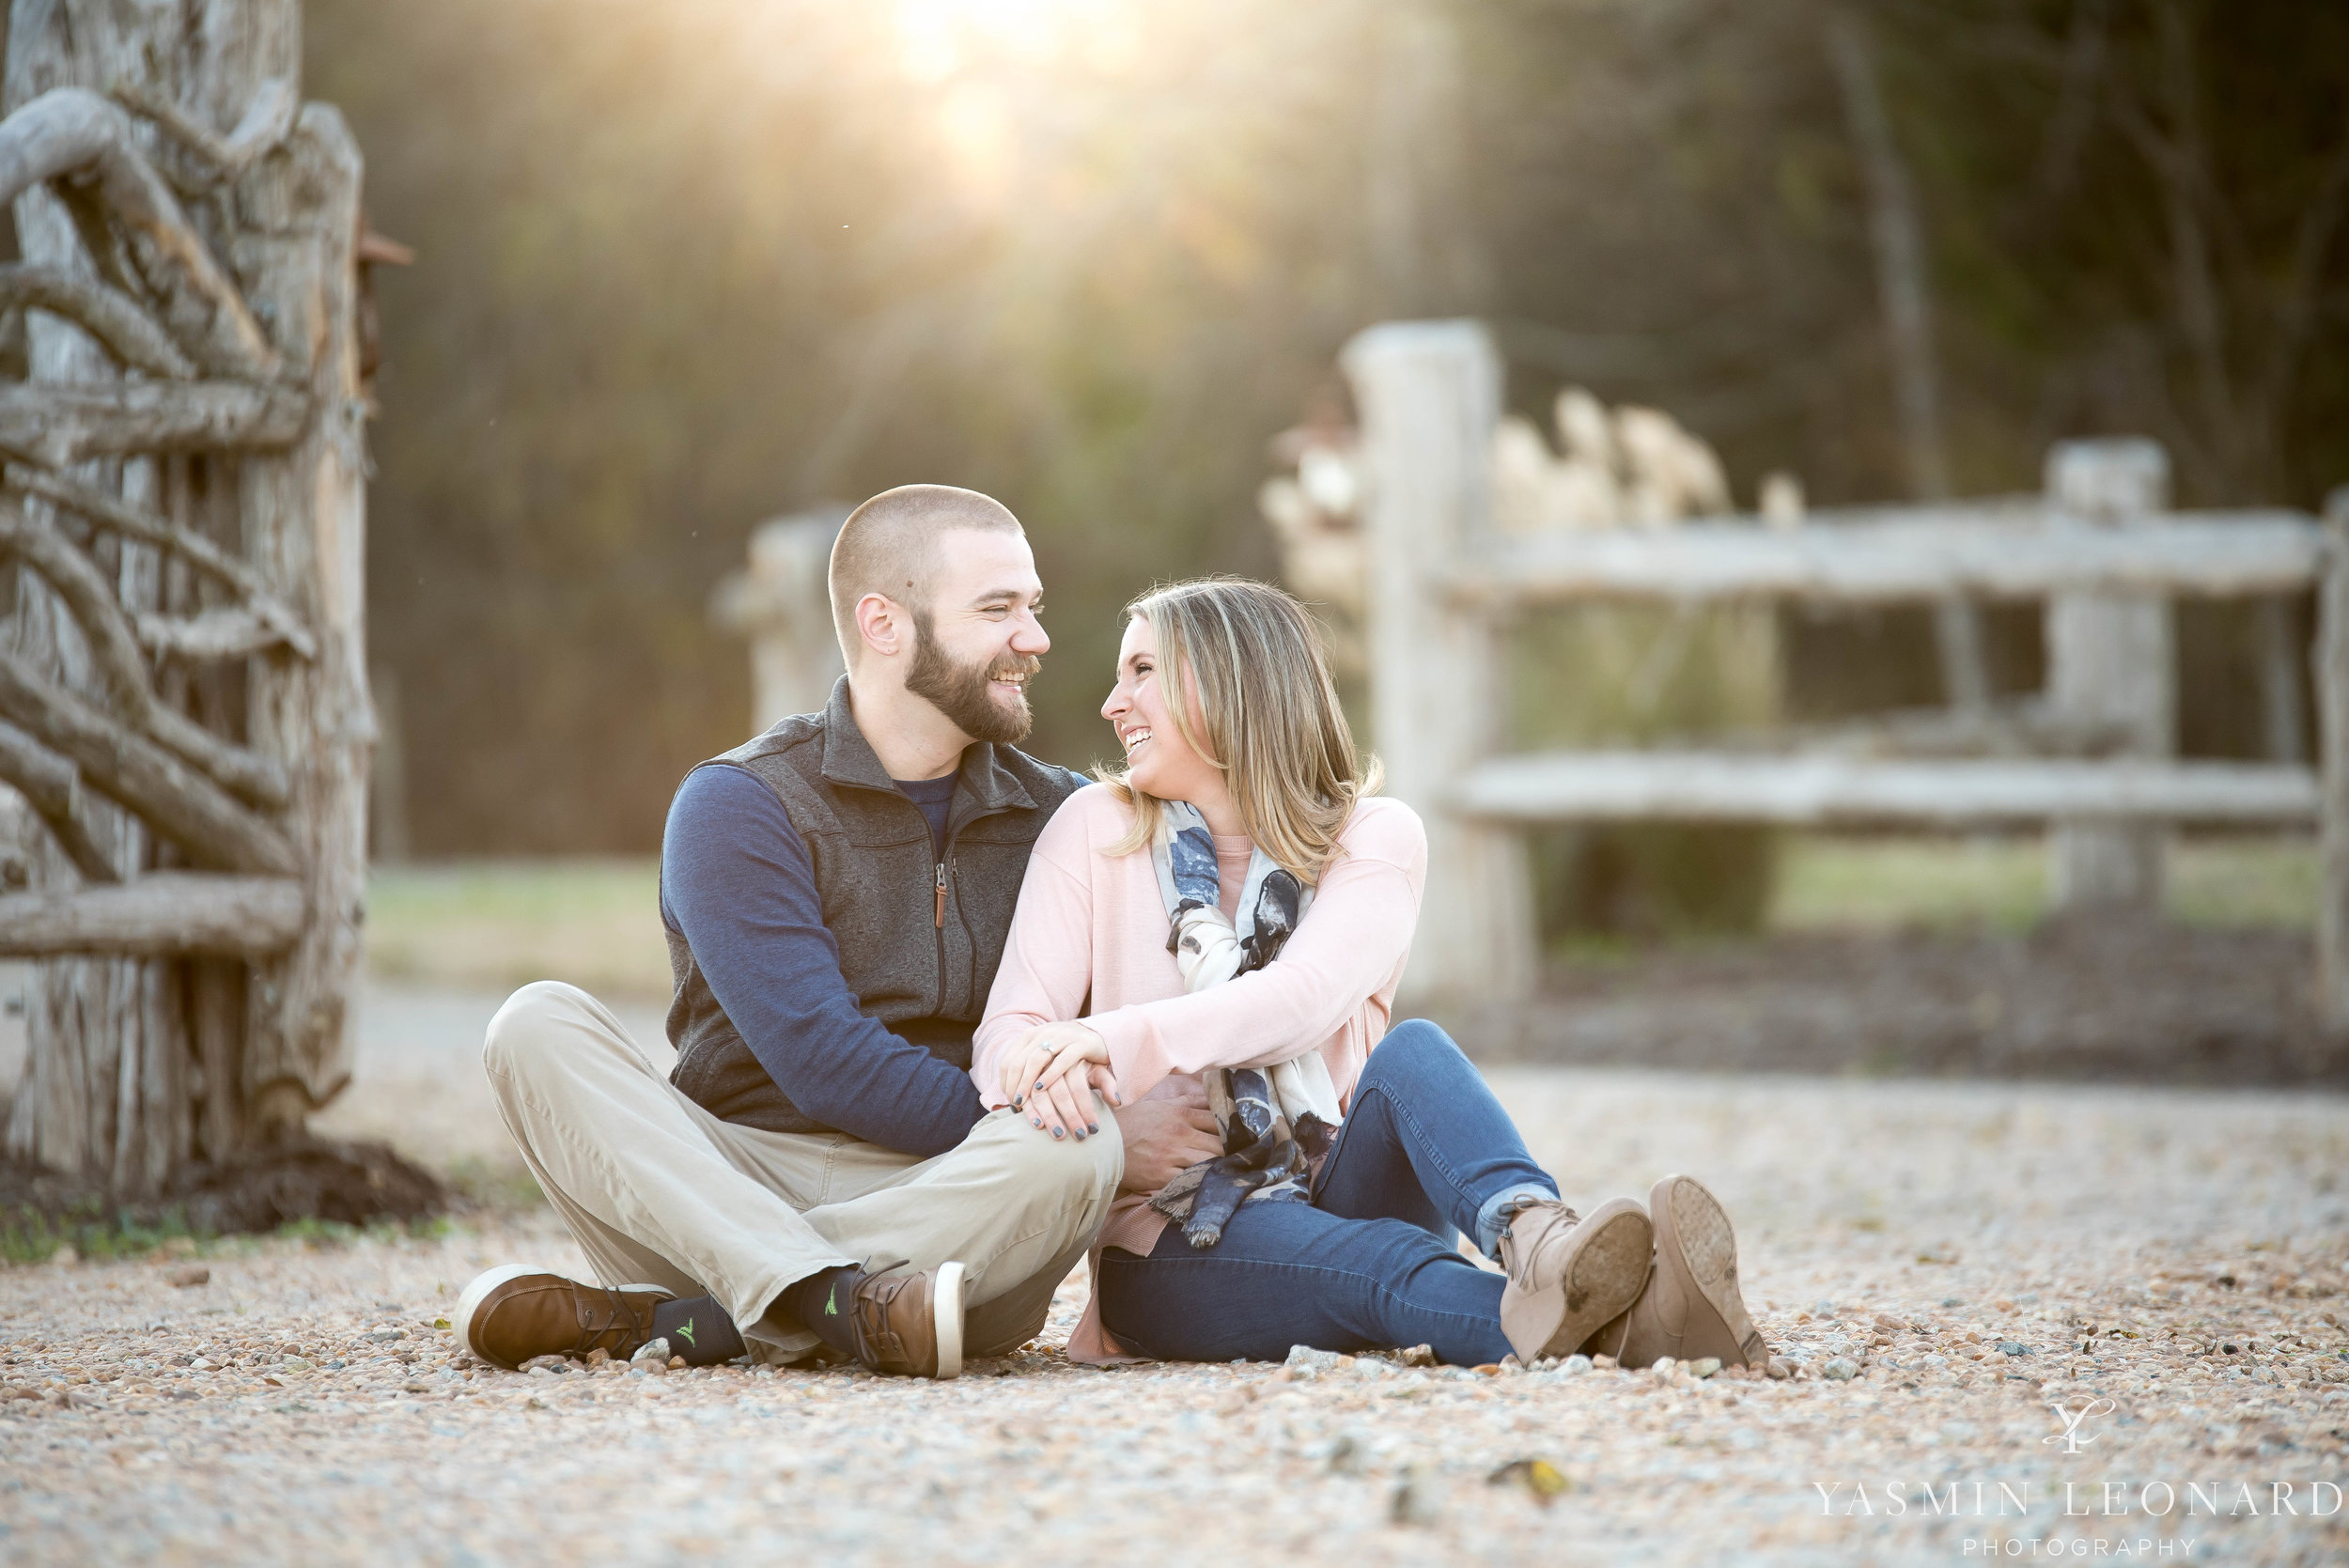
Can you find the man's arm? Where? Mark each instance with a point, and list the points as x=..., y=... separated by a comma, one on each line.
x=735, y=881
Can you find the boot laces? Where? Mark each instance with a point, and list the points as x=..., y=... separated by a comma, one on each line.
x=1566, y=1220
x=617, y=1312
x=868, y=1312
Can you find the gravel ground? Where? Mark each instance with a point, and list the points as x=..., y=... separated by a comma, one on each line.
x=1969, y=1252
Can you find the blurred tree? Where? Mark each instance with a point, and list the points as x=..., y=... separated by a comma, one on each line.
x=684, y=269
x=686, y=266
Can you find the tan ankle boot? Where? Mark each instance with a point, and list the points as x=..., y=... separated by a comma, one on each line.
x=1568, y=1275
x=1692, y=1307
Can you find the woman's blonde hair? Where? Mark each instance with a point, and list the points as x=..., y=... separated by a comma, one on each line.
x=1269, y=719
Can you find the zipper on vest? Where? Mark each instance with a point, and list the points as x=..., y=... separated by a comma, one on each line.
x=940, y=918
x=963, y=914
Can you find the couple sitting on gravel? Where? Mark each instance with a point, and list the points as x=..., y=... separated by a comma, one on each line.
x=948, y=1018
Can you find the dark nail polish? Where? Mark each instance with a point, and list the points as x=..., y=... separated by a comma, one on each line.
x=1056, y=1132
x=1092, y=1126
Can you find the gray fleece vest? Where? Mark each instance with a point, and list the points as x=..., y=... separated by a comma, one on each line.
x=919, y=934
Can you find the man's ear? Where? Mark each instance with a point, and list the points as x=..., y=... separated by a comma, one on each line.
x=885, y=626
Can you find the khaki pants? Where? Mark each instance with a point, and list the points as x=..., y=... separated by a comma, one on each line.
x=657, y=1190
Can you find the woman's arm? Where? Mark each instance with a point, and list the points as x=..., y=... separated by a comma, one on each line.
x=1047, y=957
x=1351, y=941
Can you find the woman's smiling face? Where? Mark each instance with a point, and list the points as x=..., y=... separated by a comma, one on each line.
x=1158, y=761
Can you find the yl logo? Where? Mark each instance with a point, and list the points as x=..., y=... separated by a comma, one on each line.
x=2070, y=1437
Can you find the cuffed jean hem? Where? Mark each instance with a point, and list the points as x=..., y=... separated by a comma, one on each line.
x=1494, y=1214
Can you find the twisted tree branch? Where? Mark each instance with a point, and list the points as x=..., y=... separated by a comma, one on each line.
x=179, y=802
x=113, y=317
x=57, y=423
x=53, y=786
x=267, y=121
x=72, y=133
x=166, y=914
x=212, y=635
x=114, y=651
x=109, y=511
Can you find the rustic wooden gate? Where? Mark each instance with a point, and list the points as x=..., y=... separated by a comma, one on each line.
x=183, y=707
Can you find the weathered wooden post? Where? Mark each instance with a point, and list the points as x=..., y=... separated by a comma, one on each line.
x=2332, y=719
x=1429, y=397
x=183, y=703
x=2111, y=668
x=783, y=604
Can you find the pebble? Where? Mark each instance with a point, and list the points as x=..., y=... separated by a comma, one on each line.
x=1543, y=1480
x=1305, y=1364
x=1840, y=1368
x=188, y=1275
x=1417, y=1500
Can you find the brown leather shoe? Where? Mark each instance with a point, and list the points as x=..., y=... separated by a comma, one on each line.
x=515, y=1311
x=1568, y=1275
x=910, y=1324
x=1693, y=1308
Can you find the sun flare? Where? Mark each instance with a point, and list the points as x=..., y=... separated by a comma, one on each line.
x=940, y=39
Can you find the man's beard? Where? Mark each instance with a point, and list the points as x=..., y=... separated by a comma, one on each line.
x=962, y=692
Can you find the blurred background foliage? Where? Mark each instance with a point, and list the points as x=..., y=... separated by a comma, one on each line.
x=685, y=267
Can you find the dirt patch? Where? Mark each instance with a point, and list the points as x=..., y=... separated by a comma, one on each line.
x=2115, y=1001
x=307, y=1179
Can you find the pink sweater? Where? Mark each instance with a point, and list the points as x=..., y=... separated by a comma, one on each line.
x=1089, y=940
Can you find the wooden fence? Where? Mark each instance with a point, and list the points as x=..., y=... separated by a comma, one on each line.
x=2099, y=547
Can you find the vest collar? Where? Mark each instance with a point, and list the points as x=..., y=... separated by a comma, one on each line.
x=850, y=759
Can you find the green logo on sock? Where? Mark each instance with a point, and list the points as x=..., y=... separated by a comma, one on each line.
x=685, y=1332
x=832, y=1302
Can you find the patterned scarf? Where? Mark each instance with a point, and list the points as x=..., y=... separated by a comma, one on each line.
x=1276, y=1121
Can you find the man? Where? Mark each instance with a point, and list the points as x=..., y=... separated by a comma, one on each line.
x=819, y=1168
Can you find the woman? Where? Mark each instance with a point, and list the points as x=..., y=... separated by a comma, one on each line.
x=1237, y=904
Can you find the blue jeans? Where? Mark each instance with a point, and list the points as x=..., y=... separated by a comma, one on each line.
x=1426, y=1152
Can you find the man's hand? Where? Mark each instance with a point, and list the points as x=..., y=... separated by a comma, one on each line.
x=1166, y=1134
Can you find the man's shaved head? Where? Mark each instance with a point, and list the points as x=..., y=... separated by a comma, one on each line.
x=889, y=546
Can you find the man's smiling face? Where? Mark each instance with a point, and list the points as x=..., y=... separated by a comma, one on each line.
x=981, y=638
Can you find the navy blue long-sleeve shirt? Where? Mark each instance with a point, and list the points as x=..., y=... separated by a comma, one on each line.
x=736, y=884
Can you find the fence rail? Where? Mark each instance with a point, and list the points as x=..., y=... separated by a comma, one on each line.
x=1879, y=557
x=1828, y=791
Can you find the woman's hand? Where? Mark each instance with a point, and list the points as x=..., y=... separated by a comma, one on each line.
x=1052, y=1074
